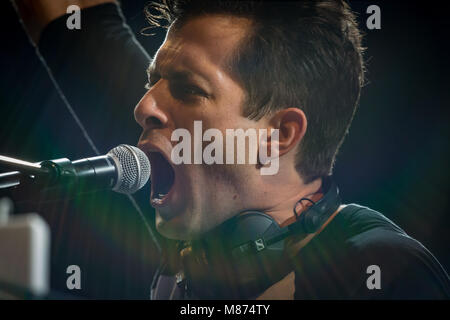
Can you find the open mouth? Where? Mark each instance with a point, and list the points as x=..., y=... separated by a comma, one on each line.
x=162, y=178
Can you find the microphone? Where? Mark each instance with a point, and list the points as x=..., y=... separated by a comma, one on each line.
x=124, y=169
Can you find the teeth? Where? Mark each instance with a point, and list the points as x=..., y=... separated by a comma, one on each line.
x=163, y=179
x=156, y=201
x=159, y=196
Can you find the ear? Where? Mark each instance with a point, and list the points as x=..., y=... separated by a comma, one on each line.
x=292, y=124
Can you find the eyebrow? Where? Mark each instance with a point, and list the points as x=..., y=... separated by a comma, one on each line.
x=176, y=75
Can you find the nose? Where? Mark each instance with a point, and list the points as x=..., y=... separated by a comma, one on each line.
x=148, y=114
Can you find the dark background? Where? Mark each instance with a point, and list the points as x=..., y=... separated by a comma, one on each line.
x=394, y=160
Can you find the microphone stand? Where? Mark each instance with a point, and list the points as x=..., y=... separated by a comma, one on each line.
x=23, y=170
x=46, y=181
x=31, y=182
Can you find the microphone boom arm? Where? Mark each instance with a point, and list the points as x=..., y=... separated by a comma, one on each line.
x=23, y=166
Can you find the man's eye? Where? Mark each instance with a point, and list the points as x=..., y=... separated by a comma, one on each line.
x=186, y=91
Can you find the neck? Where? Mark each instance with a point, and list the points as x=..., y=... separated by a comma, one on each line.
x=287, y=196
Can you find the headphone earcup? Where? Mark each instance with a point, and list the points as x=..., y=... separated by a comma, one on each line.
x=238, y=276
x=258, y=270
x=246, y=255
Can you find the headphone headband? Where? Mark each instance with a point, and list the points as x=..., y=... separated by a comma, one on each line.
x=246, y=254
x=309, y=221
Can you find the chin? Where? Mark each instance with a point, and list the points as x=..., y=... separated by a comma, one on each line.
x=176, y=228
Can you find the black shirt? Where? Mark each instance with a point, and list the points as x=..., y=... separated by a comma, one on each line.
x=334, y=265
x=344, y=260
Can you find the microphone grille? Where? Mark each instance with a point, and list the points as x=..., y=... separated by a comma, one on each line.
x=133, y=168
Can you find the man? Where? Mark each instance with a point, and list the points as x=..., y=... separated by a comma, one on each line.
x=295, y=69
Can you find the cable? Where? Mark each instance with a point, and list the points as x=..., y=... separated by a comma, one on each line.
x=300, y=202
x=79, y=123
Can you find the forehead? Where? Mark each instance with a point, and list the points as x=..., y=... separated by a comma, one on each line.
x=203, y=42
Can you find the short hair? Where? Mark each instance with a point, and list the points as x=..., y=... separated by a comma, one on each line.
x=304, y=54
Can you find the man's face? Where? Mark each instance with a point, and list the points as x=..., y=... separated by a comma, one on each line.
x=189, y=83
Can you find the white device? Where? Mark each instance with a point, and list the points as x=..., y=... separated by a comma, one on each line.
x=24, y=254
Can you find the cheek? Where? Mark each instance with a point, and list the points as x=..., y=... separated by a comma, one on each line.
x=223, y=182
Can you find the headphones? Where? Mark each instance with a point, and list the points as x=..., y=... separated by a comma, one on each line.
x=246, y=255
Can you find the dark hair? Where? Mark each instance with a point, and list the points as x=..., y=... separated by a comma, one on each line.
x=304, y=54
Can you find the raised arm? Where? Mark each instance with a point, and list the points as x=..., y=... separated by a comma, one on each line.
x=100, y=68
x=37, y=14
